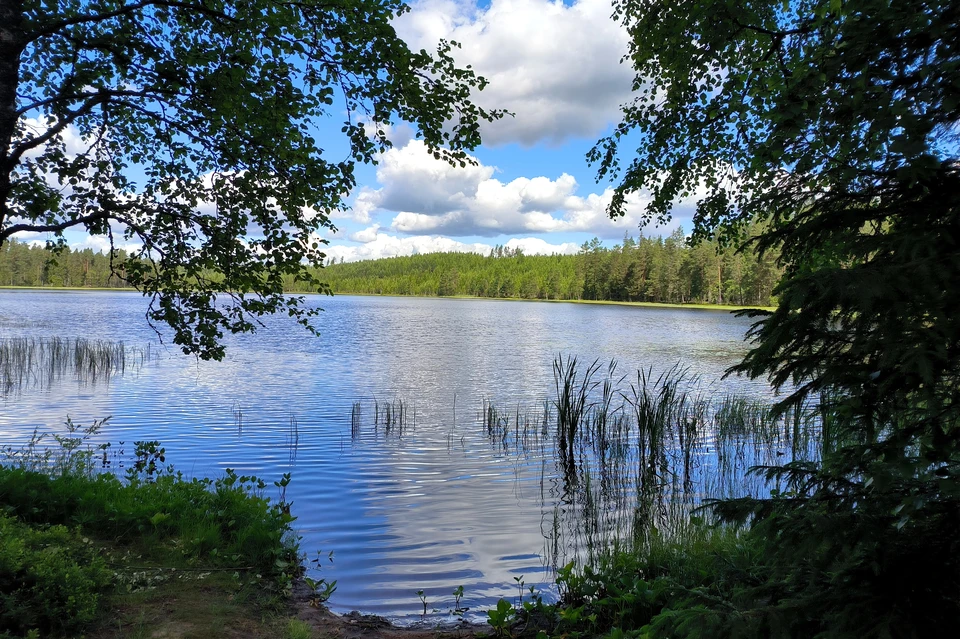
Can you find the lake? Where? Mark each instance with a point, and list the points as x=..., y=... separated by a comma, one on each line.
x=433, y=507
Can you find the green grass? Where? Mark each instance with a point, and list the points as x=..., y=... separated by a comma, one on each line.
x=84, y=551
x=296, y=629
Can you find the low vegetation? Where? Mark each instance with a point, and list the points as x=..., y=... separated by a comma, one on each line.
x=85, y=552
x=689, y=516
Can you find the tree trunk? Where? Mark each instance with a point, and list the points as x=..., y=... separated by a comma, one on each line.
x=719, y=282
x=12, y=38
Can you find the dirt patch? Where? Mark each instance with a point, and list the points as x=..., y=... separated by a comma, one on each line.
x=357, y=626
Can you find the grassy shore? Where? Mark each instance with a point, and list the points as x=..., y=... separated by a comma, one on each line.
x=68, y=288
x=703, y=307
x=699, y=307
x=84, y=552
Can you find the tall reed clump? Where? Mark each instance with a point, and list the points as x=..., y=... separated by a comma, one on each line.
x=55, y=495
x=27, y=362
x=640, y=461
x=394, y=416
x=573, y=389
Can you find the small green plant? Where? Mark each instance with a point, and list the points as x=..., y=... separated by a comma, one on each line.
x=458, y=609
x=520, y=584
x=501, y=617
x=423, y=600
x=282, y=485
x=148, y=462
x=321, y=589
x=535, y=601
x=73, y=453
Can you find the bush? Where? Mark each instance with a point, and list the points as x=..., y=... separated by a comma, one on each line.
x=225, y=521
x=633, y=591
x=58, y=515
x=51, y=579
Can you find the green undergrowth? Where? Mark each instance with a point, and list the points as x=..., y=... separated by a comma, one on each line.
x=222, y=522
x=830, y=571
x=51, y=579
x=734, y=519
x=628, y=592
x=82, y=550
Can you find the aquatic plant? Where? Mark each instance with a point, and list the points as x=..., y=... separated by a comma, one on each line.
x=320, y=589
x=355, y=420
x=637, y=459
x=394, y=415
x=27, y=362
x=573, y=388
x=458, y=609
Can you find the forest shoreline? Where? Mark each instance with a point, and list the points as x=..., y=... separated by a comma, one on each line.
x=666, y=305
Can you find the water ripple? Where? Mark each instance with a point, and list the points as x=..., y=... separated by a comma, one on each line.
x=431, y=506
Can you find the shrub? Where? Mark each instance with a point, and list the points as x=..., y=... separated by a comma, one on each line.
x=51, y=579
x=224, y=521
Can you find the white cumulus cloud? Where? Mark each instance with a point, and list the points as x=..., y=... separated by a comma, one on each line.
x=537, y=246
x=101, y=244
x=427, y=196
x=368, y=234
x=555, y=66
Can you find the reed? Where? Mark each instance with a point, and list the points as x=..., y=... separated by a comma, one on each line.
x=355, y=420
x=573, y=388
x=293, y=439
x=27, y=362
x=496, y=424
x=636, y=461
x=393, y=415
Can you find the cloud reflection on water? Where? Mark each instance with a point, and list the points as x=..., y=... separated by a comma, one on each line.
x=435, y=508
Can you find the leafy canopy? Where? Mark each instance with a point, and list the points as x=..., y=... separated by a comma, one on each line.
x=196, y=128
x=760, y=106
x=834, y=124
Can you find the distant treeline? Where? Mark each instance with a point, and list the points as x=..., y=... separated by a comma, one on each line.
x=24, y=264
x=642, y=270
x=648, y=269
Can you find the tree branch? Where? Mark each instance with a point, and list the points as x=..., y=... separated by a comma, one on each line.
x=54, y=27
x=777, y=34
x=52, y=228
x=17, y=152
x=154, y=93
x=102, y=96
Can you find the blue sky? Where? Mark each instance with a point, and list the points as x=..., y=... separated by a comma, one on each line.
x=556, y=66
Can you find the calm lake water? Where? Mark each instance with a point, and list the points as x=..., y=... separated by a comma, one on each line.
x=433, y=508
